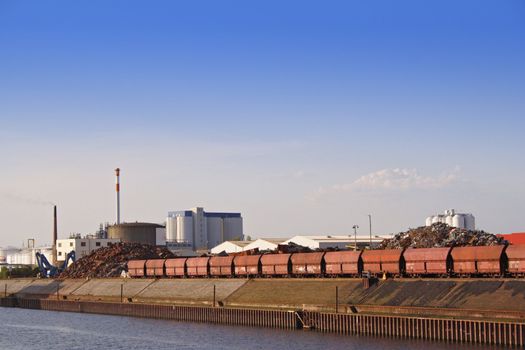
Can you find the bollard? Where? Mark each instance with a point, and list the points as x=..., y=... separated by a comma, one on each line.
x=58, y=295
x=214, y=295
x=336, y=299
x=122, y=292
x=5, y=291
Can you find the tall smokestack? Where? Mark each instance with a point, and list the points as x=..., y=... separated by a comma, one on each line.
x=55, y=236
x=117, y=173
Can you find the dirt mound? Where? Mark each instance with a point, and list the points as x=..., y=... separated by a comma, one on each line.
x=440, y=235
x=110, y=261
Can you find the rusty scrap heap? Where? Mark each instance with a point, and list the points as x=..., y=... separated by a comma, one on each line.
x=111, y=261
x=440, y=235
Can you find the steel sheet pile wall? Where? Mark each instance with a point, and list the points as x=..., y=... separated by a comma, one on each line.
x=427, y=328
x=450, y=330
x=243, y=317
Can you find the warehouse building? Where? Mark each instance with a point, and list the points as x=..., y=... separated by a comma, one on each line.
x=230, y=247
x=340, y=242
x=197, y=229
x=263, y=244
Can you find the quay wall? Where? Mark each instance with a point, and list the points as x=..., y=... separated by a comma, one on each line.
x=508, y=334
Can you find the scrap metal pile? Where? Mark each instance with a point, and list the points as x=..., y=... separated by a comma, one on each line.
x=111, y=261
x=440, y=235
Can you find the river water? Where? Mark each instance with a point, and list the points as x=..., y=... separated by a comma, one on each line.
x=35, y=329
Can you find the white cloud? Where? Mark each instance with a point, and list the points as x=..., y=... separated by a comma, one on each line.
x=394, y=179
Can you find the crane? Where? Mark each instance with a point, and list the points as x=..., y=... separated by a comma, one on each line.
x=47, y=270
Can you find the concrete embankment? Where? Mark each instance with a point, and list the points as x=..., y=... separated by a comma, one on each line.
x=494, y=298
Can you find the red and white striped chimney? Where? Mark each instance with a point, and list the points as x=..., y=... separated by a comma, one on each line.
x=117, y=173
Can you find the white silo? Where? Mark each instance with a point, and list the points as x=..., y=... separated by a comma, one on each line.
x=470, y=222
x=435, y=219
x=458, y=221
x=449, y=220
x=171, y=229
x=428, y=221
x=233, y=228
x=185, y=230
x=215, y=231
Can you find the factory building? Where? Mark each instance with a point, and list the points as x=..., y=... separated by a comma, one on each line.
x=453, y=219
x=81, y=246
x=138, y=232
x=197, y=229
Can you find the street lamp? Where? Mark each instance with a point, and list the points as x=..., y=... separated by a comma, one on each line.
x=370, y=225
x=355, y=227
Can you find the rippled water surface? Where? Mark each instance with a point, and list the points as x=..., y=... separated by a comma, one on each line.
x=34, y=329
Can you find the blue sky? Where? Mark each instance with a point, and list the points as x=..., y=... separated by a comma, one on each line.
x=303, y=115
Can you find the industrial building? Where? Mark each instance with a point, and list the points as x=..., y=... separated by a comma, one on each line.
x=262, y=244
x=453, y=219
x=81, y=246
x=340, y=242
x=197, y=229
x=138, y=232
x=312, y=242
x=230, y=247
x=27, y=256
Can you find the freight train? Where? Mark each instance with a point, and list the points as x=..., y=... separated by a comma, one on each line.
x=492, y=261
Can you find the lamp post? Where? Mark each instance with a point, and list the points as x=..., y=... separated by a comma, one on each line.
x=355, y=227
x=370, y=226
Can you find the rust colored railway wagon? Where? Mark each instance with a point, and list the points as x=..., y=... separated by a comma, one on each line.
x=308, y=263
x=383, y=261
x=276, y=264
x=221, y=266
x=343, y=263
x=137, y=268
x=175, y=267
x=155, y=268
x=427, y=261
x=516, y=259
x=247, y=265
x=197, y=267
x=478, y=260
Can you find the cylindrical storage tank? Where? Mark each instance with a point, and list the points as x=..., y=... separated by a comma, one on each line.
x=138, y=232
x=171, y=229
x=449, y=220
x=428, y=221
x=185, y=230
x=436, y=219
x=458, y=221
x=470, y=222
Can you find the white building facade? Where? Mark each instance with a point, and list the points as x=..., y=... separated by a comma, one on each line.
x=81, y=246
x=197, y=229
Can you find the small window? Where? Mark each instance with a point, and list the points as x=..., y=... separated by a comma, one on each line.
x=59, y=245
x=59, y=253
x=70, y=244
x=82, y=244
x=97, y=244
